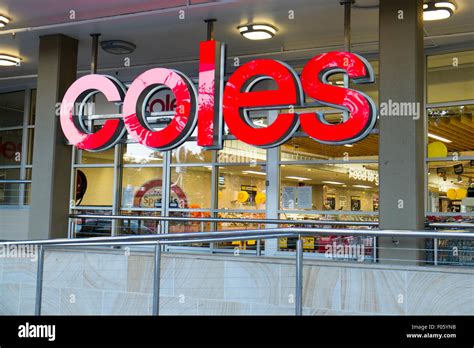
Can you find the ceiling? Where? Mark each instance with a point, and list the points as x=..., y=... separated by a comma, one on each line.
x=162, y=38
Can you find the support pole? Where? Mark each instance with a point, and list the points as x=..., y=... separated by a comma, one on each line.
x=347, y=42
x=210, y=28
x=156, y=280
x=299, y=277
x=39, y=281
x=94, y=52
x=347, y=24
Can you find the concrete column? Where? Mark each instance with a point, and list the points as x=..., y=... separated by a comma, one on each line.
x=57, y=67
x=402, y=133
x=272, y=190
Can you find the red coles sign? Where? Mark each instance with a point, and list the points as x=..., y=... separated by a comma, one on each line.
x=213, y=103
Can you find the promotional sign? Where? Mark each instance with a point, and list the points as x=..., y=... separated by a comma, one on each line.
x=213, y=103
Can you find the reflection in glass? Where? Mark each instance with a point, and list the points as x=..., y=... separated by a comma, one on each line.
x=235, y=151
x=32, y=113
x=191, y=152
x=10, y=147
x=139, y=154
x=12, y=107
x=92, y=227
x=450, y=77
x=31, y=140
x=191, y=187
x=142, y=188
x=139, y=227
x=10, y=192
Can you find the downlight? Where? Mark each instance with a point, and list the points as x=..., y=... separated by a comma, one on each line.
x=257, y=31
x=437, y=10
x=6, y=60
x=118, y=46
x=4, y=21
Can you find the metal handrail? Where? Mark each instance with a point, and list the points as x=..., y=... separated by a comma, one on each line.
x=451, y=225
x=15, y=181
x=461, y=225
x=270, y=233
x=163, y=239
x=236, y=220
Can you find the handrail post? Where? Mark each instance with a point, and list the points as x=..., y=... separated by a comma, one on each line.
x=299, y=277
x=435, y=251
x=39, y=281
x=156, y=280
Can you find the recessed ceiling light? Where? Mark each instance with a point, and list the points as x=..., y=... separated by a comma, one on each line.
x=437, y=137
x=257, y=31
x=4, y=21
x=362, y=186
x=118, y=46
x=6, y=60
x=297, y=178
x=253, y=172
x=436, y=10
x=349, y=145
x=332, y=182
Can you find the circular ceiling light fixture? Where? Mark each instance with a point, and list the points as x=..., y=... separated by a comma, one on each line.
x=437, y=10
x=6, y=60
x=118, y=46
x=4, y=21
x=257, y=31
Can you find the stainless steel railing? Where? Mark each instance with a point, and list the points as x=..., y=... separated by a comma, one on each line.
x=202, y=220
x=179, y=238
x=435, y=250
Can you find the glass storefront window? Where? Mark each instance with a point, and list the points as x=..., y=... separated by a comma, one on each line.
x=345, y=248
x=142, y=187
x=138, y=227
x=235, y=151
x=332, y=187
x=32, y=113
x=91, y=227
x=10, y=147
x=451, y=187
x=450, y=77
x=307, y=149
x=93, y=187
x=14, y=163
x=12, y=106
x=191, y=187
x=229, y=226
x=101, y=157
x=242, y=187
x=9, y=192
x=453, y=127
x=188, y=225
x=190, y=152
x=139, y=154
x=31, y=139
